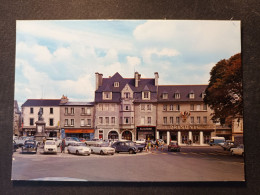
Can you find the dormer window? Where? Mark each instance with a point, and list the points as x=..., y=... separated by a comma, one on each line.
x=191, y=95
x=177, y=95
x=165, y=96
x=116, y=84
x=107, y=95
x=146, y=95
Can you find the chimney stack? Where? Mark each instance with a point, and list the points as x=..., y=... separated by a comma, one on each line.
x=137, y=78
x=97, y=80
x=156, y=76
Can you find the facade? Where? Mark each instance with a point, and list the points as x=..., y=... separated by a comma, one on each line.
x=77, y=118
x=182, y=115
x=16, y=120
x=51, y=116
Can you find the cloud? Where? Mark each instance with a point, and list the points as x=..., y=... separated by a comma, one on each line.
x=148, y=52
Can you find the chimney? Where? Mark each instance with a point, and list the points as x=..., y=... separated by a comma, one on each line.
x=97, y=80
x=156, y=76
x=64, y=99
x=137, y=78
x=100, y=81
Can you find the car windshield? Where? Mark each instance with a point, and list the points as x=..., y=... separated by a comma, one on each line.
x=50, y=143
x=75, y=138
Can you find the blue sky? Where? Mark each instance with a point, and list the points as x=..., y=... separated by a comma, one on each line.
x=61, y=57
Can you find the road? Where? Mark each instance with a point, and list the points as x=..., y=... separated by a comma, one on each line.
x=191, y=164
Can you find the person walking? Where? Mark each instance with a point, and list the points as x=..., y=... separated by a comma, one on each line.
x=62, y=146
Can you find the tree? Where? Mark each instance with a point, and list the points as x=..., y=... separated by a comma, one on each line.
x=224, y=92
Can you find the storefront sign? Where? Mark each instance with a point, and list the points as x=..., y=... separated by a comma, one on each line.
x=145, y=128
x=79, y=130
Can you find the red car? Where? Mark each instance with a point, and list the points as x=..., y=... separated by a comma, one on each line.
x=174, y=146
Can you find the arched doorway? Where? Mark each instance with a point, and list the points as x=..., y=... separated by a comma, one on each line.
x=112, y=135
x=127, y=135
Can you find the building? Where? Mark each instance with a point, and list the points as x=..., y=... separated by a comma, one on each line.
x=16, y=120
x=182, y=115
x=77, y=118
x=51, y=116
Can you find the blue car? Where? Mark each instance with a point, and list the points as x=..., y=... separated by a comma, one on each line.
x=125, y=146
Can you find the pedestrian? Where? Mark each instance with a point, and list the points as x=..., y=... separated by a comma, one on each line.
x=149, y=146
x=157, y=144
x=62, y=146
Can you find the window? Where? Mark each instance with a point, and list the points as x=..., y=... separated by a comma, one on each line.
x=171, y=107
x=51, y=110
x=127, y=95
x=165, y=96
x=89, y=122
x=112, y=107
x=149, y=107
x=164, y=107
x=100, y=107
x=178, y=120
x=178, y=107
x=149, y=120
x=164, y=120
x=31, y=110
x=177, y=95
x=72, y=110
x=132, y=120
x=100, y=120
x=106, y=107
x=66, y=110
x=171, y=120
x=146, y=95
x=142, y=120
x=192, y=96
x=204, y=119
x=127, y=107
x=198, y=119
x=100, y=134
x=66, y=122
x=107, y=120
x=192, y=120
x=126, y=120
x=113, y=120
x=82, y=122
x=198, y=107
x=31, y=121
x=192, y=107
x=83, y=110
x=107, y=95
x=51, y=121
x=204, y=106
x=72, y=122
x=116, y=84
x=142, y=107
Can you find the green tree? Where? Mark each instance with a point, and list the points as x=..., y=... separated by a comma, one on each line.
x=224, y=92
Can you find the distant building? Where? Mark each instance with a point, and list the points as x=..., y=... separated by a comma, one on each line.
x=51, y=115
x=16, y=120
x=77, y=118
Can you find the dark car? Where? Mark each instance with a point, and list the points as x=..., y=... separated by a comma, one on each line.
x=140, y=146
x=125, y=146
x=174, y=146
x=30, y=146
x=15, y=146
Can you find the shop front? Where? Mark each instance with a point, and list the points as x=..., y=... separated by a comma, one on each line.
x=113, y=135
x=29, y=132
x=87, y=134
x=145, y=132
x=127, y=135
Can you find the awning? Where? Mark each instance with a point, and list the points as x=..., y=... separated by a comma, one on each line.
x=79, y=130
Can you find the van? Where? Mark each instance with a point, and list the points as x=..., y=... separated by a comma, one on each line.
x=216, y=140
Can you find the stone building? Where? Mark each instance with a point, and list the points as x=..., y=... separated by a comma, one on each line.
x=77, y=118
x=51, y=116
x=182, y=115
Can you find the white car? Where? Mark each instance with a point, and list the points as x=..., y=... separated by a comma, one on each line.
x=50, y=147
x=79, y=148
x=57, y=140
x=102, y=148
x=94, y=141
x=238, y=151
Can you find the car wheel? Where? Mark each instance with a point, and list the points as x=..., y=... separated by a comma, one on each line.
x=77, y=152
x=112, y=153
x=68, y=151
x=131, y=151
x=232, y=153
x=101, y=152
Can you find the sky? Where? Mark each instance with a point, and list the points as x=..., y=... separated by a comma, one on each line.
x=55, y=58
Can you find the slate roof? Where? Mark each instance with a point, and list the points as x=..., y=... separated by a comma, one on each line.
x=42, y=102
x=184, y=91
x=108, y=85
x=78, y=104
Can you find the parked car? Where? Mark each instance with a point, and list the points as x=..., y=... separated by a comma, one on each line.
x=20, y=140
x=216, y=141
x=50, y=147
x=102, y=149
x=125, y=146
x=30, y=146
x=238, y=151
x=228, y=144
x=94, y=141
x=57, y=140
x=79, y=148
x=15, y=146
x=174, y=146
